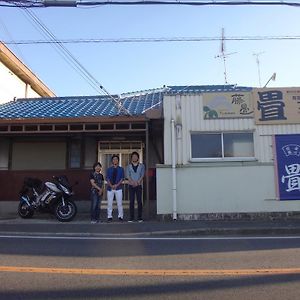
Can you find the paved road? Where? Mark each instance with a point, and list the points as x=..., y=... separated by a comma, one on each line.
x=148, y=268
x=82, y=227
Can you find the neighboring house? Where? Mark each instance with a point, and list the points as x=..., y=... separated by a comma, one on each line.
x=235, y=150
x=43, y=137
x=17, y=80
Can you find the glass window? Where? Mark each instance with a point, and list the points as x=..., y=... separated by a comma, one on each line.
x=4, y=154
x=222, y=145
x=75, y=154
x=238, y=145
x=90, y=152
x=206, y=145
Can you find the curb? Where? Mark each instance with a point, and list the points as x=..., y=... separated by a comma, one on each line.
x=180, y=232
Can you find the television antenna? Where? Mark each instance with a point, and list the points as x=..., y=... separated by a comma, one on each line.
x=223, y=55
x=258, y=65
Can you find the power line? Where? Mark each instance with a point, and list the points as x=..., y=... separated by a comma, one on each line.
x=153, y=40
x=82, y=3
x=184, y=3
x=73, y=62
x=16, y=47
x=61, y=50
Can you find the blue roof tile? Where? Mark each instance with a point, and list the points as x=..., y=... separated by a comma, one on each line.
x=137, y=103
x=73, y=107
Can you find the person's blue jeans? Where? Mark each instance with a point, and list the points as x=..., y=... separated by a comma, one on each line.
x=95, y=205
x=135, y=191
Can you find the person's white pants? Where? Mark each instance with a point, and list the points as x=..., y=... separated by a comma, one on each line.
x=110, y=198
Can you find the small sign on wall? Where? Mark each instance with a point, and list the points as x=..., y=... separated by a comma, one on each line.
x=227, y=105
x=287, y=166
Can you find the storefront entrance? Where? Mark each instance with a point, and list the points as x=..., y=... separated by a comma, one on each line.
x=123, y=149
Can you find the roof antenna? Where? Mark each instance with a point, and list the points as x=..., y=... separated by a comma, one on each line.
x=223, y=55
x=258, y=65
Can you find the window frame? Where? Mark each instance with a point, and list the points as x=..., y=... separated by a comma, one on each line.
x=223, y=158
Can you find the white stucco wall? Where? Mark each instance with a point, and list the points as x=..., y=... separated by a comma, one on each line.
x=230, y=188
x=12, y=86
x=187, y=110
x=222, y=186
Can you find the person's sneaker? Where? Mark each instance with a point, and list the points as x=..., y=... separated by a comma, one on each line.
x=140, y=220
x=93, y=222
x=120, y=219
x=130, y=221
x=109, y=219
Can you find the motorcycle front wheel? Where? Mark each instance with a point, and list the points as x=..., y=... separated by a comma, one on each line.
x=67, y=212
x=25, y=211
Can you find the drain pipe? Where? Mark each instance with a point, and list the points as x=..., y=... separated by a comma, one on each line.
x=174, y=187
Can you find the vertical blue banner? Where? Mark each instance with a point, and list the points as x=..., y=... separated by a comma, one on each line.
x=287, y=148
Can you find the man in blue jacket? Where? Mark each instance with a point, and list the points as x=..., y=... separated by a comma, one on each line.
x=114, y=178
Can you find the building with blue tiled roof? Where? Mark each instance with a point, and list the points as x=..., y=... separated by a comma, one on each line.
x=223, y=160
x=47, y=136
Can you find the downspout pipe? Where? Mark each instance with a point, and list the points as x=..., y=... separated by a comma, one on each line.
x=174, y=186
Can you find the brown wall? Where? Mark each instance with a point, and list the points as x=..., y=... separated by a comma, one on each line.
x=11, y=182
x=39, y=155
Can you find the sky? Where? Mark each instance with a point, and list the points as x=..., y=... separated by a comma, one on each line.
x=129, y=67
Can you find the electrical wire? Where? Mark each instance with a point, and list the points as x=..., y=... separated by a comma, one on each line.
x=186, y=3
x=154, y=40
x=8, y=34
x=82, y=3
x=72, y=61
x=62, y=51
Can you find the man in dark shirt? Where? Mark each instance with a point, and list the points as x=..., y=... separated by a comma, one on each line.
x=96, y=180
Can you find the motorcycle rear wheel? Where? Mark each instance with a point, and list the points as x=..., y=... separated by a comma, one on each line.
x=67, y=212
x=25, y=211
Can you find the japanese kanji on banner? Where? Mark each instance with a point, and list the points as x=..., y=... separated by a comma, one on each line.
x=287, y=166
x=276, y=105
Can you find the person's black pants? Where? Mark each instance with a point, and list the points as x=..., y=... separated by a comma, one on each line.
x=135, y=191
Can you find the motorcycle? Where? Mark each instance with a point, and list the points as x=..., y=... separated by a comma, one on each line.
x=49, y=196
